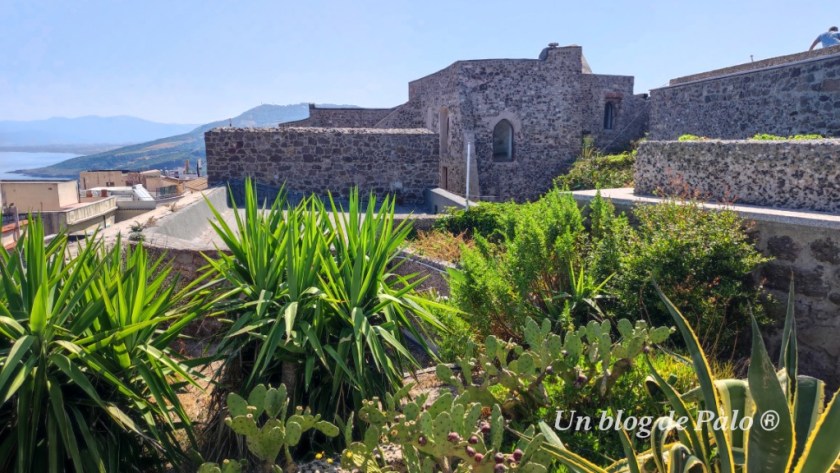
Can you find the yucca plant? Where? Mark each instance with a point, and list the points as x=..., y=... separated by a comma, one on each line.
x=804, y=437
x=87, y=379
x=368, y=306
x=318, y=307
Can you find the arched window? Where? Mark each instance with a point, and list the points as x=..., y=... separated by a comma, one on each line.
x=609, y=116
x=503, y=141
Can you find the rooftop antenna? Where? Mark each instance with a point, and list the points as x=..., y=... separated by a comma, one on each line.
x=751, y=58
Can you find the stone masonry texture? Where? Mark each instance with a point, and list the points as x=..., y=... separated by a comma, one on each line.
x=317, y=160
x=342, y=117
x=552, y=102
x=789, y=95
x=783, y=174
x=811, y=254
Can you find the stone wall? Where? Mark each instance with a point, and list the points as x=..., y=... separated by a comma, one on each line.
x=783, y=174
x=403, y=162
x=551, y=102
x=811, y=253
x=341, y=117
x=797, y=94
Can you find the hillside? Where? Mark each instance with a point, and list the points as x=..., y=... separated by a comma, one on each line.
x=170, y=152
x=90, y=130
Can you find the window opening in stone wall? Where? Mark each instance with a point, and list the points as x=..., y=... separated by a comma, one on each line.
x=503, y=141
x=609, y=116
x=443, y=129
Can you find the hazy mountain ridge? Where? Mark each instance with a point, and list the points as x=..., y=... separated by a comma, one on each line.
x=172, y=151
x=88, y=130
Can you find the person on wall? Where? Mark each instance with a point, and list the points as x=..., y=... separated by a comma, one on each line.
x=829, y=38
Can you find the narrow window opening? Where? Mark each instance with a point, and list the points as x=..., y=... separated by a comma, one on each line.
x=503, y=141
x=609, y=116
x=443, y=129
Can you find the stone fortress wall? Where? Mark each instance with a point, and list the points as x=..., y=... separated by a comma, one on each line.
x=788, y=95
x=317, y=160
x=334, y=117
x=788, y=184
x=551, y=103
x=799, y=175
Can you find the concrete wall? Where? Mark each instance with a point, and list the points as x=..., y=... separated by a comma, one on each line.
x=36, y=196
x=108, y=178
x=788, y=95
x=81, y=219
x=783, y=174
x=403, y=162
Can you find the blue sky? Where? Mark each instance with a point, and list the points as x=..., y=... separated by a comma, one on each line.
x=186, y=61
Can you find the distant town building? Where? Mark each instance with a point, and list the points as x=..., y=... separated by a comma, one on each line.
x=58, y=205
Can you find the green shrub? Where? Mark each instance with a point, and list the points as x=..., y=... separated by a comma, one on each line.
x=599, y=172
x=88, y=379
x=453, y=342
x=545, y=263
x=703, y=259
x=486, y=219
x=538, y=269
x=767, y=137
x=690, y=137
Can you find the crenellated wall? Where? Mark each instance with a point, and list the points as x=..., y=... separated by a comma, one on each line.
x=788, y=95
x=316, y=160
x=784, y=174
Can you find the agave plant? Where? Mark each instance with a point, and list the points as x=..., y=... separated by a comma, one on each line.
x=87, y=379
x=319, y=307
x=793, y=430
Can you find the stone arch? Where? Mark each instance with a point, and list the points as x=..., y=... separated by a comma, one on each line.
x=503, y=141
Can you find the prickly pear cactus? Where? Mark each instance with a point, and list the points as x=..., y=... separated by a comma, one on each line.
x=450, y=434
x=227, y=466
x=587, y=354
x=262, y=420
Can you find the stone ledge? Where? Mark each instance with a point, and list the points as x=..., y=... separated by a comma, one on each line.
x=779, y=61
x=324, y=131
x=624, y=199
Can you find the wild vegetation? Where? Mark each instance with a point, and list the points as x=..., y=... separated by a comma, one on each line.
x=594, y=170
x=557, y=312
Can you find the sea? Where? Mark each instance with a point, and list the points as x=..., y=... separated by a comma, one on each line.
x=14, y=160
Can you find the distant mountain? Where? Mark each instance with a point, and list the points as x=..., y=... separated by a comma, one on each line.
x=171, y=152
x=90, y=130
